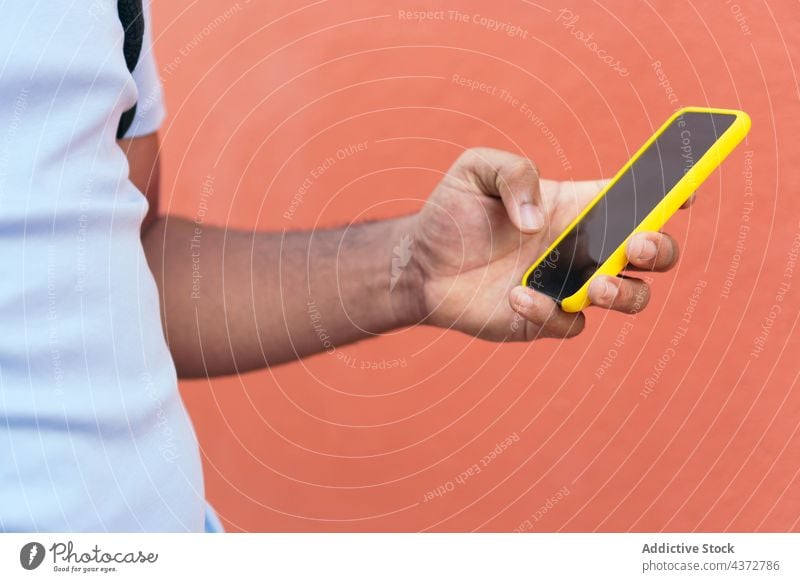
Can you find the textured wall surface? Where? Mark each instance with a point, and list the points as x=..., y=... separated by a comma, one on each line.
x=684, y=417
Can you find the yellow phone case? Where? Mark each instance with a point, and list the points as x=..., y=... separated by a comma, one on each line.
x=668, y=206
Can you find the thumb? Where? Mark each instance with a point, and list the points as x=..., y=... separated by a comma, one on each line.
x=513, y=179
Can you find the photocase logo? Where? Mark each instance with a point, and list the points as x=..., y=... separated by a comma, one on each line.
x=402, y=255
x=31, y=555
x=549, y=262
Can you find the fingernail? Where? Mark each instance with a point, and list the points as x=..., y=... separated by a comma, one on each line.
x=606, y=290
x=530, y=216
x=643, y=249
x=521, y=297
x=609, y=291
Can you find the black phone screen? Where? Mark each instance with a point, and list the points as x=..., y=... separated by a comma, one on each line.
x=627, y=202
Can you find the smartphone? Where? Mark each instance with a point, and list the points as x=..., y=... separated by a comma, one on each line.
x=644, y=194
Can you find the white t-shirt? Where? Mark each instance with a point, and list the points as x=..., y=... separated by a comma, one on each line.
x=93, y=433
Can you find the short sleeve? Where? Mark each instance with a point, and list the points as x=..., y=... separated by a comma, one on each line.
x=150, y=110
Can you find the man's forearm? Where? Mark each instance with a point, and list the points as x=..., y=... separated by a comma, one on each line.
x=236, y=300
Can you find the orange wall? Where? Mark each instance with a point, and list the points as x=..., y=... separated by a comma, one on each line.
x=261, y=92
